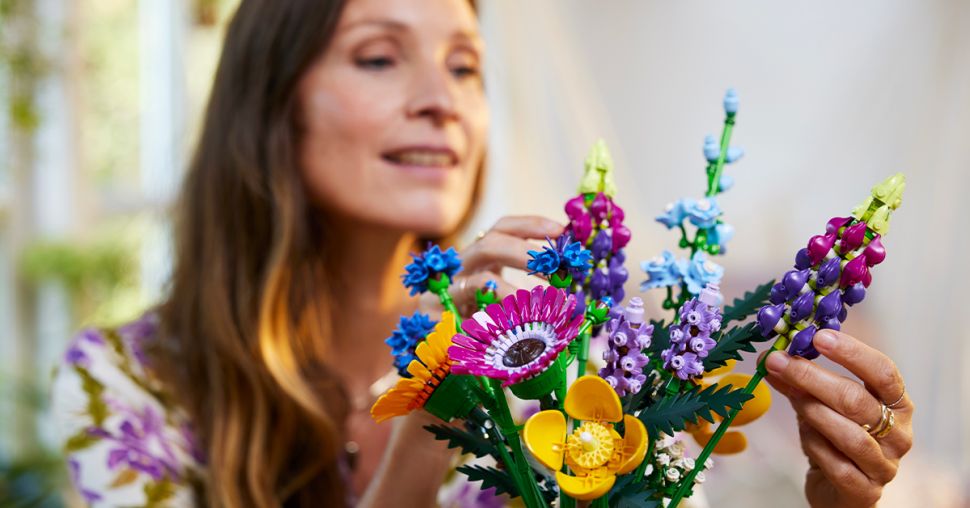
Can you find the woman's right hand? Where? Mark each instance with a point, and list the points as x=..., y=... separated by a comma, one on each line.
x=505, y=245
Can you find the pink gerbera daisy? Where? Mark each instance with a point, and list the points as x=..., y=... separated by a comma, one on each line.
x=517, y=339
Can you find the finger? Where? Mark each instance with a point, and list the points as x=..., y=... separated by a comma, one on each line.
x=497, y=249
x=844, y=395
x=842, y=474
x=847, y=437
x=465, y=287
x=874, y=368
x=528, y=226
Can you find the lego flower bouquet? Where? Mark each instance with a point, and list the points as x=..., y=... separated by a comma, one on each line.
x=610, y=434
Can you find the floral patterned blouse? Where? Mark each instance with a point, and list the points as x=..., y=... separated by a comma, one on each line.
x=128, y=444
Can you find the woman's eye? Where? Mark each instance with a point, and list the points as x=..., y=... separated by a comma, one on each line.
x=465, y=71
x=375, y=63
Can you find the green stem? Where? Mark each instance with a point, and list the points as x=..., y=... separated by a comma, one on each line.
x=642, y=468
x=600, y=502
x=759, y=374
x=520, y=469
x=714, y=182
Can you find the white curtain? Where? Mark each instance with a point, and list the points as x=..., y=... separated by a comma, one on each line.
x=834, y=96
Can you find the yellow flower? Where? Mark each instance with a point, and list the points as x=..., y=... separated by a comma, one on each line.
x=733, y=441
x=594, y=451
x=430, y=371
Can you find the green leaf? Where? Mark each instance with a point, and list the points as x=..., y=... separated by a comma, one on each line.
x=457, y=438
x=749, y=304
x=490, y=477
x=730, y=345
x=157, y=492
x=671, y=414
x=637, y=500
x=94, y=389
x=660, y=339
x=80, y=441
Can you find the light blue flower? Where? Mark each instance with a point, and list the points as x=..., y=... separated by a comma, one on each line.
x=720, y=234
x=712, y=151
x=731, y=101
x=673, y=215
x=702, y=213
x=661, y=272
x=698, y=272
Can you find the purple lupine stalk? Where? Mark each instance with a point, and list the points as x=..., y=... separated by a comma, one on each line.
x=628, y=337
x=597, y=222
x=830, y=274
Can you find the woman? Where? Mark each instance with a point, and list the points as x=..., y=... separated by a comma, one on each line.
x=339, y=137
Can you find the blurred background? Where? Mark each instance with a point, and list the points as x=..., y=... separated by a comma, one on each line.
x=100, y=101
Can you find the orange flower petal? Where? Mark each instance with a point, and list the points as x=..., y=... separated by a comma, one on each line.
x=592, y=399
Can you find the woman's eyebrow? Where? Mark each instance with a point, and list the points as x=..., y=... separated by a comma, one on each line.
x=390, y=24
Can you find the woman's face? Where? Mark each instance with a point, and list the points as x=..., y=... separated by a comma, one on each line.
x=394, y=115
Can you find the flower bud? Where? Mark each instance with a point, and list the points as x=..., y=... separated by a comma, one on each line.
x=852, y=237
x=875, y=253
x=819, y=246
x=802, y=307
x=854, y=271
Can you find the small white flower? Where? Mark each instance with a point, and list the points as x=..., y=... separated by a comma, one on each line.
x=663, y=459
x=649, y=470
x=708, y=464
x=673, y=474
x=689, y=464
x=677, y=449
x=700, y=477
x=679, y=463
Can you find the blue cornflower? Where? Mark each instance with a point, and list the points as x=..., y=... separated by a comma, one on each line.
x=661, y=272
x=546, y=262
x=563, y=254
x=576, y=257
x=428, y=265
x=409, y=332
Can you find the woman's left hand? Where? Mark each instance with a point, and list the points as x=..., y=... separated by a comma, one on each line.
x=848, y=466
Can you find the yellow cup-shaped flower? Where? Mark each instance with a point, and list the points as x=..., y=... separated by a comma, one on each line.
x=594, y=451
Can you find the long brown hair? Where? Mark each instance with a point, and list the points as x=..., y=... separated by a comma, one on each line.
x=239, y=331
x=245, y=338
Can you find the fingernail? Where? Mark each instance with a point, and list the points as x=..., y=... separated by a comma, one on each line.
x=777, y=361
x=824, y=340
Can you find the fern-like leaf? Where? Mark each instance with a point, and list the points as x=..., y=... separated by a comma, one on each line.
x=748, y=304
x=490, y=477
x=457, y=438
x=660, y=339
x=669, y=415
x=730, y=345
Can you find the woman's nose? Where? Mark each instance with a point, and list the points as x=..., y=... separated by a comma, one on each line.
x=432, y=96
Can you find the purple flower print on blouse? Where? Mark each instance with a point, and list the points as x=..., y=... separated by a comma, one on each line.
x=89, y=496
x=137, y=333
x=141, y=445
x=75, y=354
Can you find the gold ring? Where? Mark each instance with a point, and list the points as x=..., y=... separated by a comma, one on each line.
x=480, y=235
x=889, y=425
x=886, y=421
x=898, y=400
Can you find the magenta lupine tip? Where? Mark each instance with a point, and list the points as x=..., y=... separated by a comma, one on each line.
x=517, y=339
